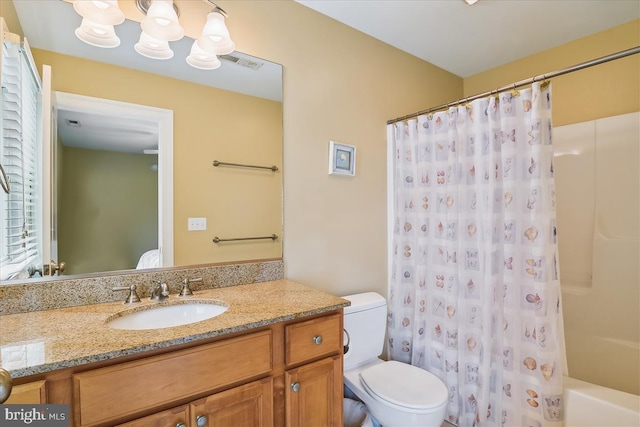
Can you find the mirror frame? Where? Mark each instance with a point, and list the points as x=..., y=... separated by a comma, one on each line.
x=163, y=118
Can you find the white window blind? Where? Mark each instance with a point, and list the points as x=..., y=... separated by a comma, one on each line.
x=20, y=156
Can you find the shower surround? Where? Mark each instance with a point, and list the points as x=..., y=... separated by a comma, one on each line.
x=598, y=197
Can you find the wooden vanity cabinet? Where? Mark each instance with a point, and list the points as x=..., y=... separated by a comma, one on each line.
x=285, y=374
x=313, y=389
x=105, y=395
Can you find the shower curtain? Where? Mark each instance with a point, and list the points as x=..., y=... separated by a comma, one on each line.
x=474, y=280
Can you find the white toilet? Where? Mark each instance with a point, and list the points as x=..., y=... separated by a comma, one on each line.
x=395, y=393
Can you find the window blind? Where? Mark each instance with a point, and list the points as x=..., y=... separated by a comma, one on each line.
x=21, y=235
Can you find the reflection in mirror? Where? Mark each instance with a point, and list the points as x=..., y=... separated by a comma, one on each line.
x=241, y=208
x=107, y=178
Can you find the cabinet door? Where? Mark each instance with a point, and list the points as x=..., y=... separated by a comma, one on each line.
x=172, y=417
x=30, y=393
x=313, y=394
x=246, y=405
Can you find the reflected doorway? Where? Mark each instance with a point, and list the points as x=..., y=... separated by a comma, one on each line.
x=106, y=157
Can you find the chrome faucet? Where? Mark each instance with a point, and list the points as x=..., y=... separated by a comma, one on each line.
x=159, y=292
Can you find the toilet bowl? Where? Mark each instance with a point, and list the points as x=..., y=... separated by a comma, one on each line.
x=412, y=399
x=395, y=393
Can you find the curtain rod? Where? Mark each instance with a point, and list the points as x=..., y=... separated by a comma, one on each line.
x=525, y=82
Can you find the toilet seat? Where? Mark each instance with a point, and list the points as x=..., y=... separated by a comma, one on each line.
x=405, y=386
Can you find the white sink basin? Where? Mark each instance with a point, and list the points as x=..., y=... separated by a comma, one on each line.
x=176, y=313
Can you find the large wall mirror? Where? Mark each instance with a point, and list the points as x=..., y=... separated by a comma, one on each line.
x=232, y=114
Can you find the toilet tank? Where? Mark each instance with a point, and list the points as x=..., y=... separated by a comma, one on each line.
x=365, y=323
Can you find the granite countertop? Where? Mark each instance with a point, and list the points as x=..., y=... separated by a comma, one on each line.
x=42, y=341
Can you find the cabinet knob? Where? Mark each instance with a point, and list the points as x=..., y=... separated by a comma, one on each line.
x=181, y=425
x=317, y=340
x=295, y=387
x=5, y=385
x=201, y=420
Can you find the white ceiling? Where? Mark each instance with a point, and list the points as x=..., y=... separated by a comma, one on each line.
x=110, y=133
x=466, y=40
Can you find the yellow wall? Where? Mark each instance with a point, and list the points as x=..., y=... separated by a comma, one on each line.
x=109, y=214
x=340, y=85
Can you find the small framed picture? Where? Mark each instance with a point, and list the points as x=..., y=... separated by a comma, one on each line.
x=342, y=159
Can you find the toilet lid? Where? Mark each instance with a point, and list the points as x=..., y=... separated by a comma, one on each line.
x=405, y=385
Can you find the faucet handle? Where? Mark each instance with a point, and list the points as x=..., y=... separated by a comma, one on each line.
x=133, y=295
x=186, y=290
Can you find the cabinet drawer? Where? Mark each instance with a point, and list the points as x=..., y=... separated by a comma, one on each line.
x=313, y=339
x=129, y=388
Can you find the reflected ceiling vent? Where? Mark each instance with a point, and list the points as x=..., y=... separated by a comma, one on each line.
x=243, y=62
x=72, y=123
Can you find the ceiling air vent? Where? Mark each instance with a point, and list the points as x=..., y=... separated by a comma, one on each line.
x=243, y=62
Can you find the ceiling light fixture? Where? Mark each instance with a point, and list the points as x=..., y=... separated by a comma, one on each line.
x=160, y=26
x=471, y=2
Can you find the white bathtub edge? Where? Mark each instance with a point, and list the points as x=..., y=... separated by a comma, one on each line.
x=587, y=404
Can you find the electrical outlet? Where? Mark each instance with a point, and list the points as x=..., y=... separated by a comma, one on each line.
x=197, y=224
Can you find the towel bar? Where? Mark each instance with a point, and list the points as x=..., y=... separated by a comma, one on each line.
x=217, y=163
x=216, y=239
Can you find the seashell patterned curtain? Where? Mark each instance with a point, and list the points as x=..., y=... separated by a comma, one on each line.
x=474, y=276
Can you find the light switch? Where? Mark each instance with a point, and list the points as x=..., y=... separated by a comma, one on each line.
x=197, y=224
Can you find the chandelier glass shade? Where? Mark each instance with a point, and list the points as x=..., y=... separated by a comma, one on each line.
x=162, y=21
x=153, y=48
x=201, y=59
x=215, y=35
x=98, y=35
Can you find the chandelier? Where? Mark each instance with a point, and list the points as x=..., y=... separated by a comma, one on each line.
x=159, y=27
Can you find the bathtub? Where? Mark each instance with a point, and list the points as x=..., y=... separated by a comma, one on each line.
x=587, y=404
